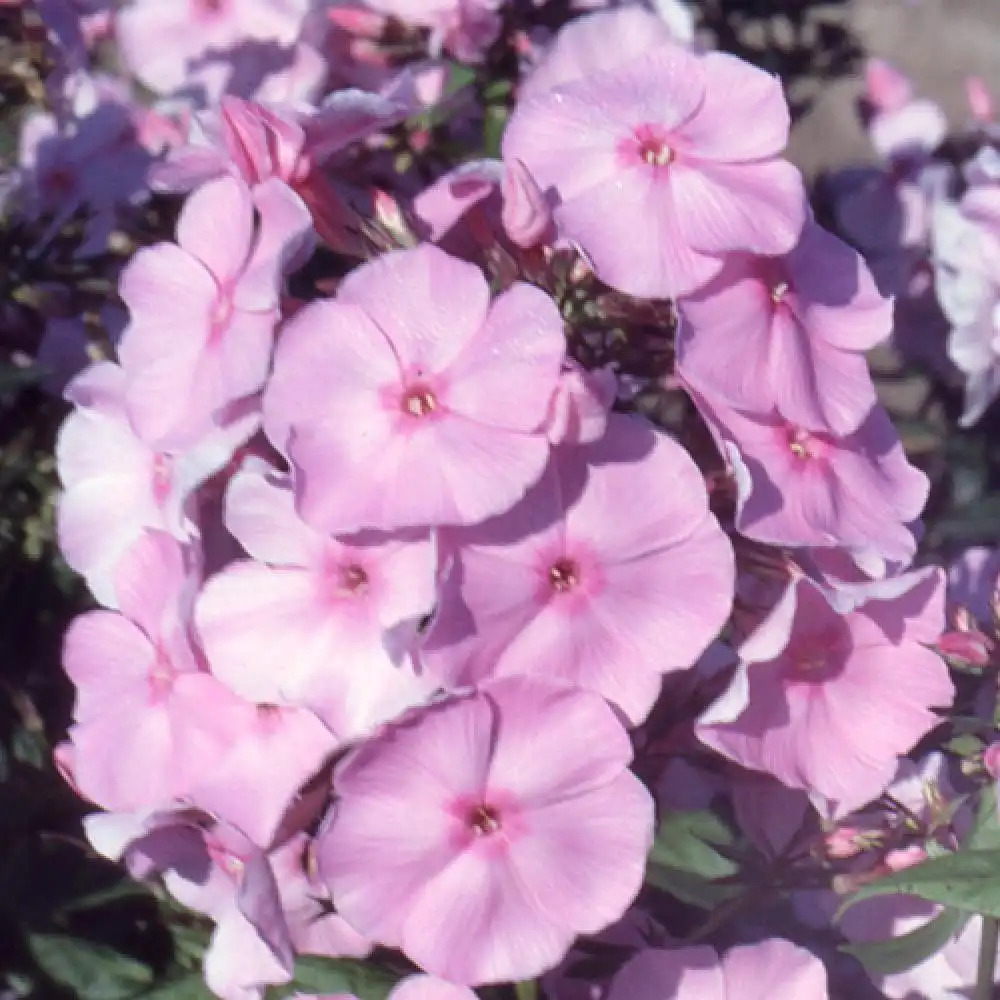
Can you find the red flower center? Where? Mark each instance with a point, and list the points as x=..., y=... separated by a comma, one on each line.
x=564, y=575
x=652, y=146
x=419, y=401
x=484, y=820
x=353, y=579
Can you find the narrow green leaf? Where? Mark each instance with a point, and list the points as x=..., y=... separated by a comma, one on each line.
x=94, y=971
x=968, y=880
x=690, y=857
x=494, y=123
x=340, y=975
x=889, y=957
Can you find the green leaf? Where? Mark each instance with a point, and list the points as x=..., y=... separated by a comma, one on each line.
x=985, y=835
x=968, y=880
x=889, y=957
x=690, y=857
x=93, y=971
x=189, y=987
x=340, y=975
x=494, y=123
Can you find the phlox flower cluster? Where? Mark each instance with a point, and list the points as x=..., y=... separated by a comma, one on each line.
x=412, y=617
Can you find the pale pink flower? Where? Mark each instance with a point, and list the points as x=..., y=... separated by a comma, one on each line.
x=163, y=44
x=257, y=141
x=466, y=28
x=827, y=702
x=212, y=868
x=580, y=406
x=480, y=835
x=597, y=42
x=950, y=973
x=203, y=310
x=145, y=718
x=789, y=334
x=317, y=621
x=770, y=970
x=93, y=163
x=803, y=488
x=611, y=573
x=411, y=399
x=115, y=484
x=966, y=254
x=652, y=175
x=422, y=987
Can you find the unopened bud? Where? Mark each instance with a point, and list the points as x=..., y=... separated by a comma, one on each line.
x=979, y=98
x=905, y=857
x=526, y=216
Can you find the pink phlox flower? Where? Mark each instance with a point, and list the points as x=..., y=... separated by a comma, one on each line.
x=602, y=576
x=152, y=728
x=451, y=199
x=348, y=608
x=146, y=718
x=803, y=488
x=900, y=125
x=466, y=28
x=424, y=987
x=256, y=141
x=162, y=44
x=271, y=752
x=203, y=310
x=769, y=970
x=581, y=404
x=788, y=334
x=413, y=400
x=596, y=43
x=212, y=868
x=827, y=702
x=482, y=202
x=315, y=927
x=575, y=979
x=645, y=154
x=480, y=835
x=115, y=484
x=950, y=973
x=93, y=163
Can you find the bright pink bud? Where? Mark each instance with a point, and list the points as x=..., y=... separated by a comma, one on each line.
x=849, y=841
x=991, y=759
x=526, y=216
x=971, y=647
x=980, y=99
x=358, y=21
x=905, y=857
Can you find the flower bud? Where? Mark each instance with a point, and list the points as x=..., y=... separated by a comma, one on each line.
x=526, y=216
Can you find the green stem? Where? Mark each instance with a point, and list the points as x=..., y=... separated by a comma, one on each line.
x=986, y=972
x=527, y=989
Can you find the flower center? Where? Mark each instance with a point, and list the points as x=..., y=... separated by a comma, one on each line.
x=419, y=402
x=656, y=154
x=353, y=579
x=779, y=291
x=564, y=575
x=804, y=445
x=483, y=820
